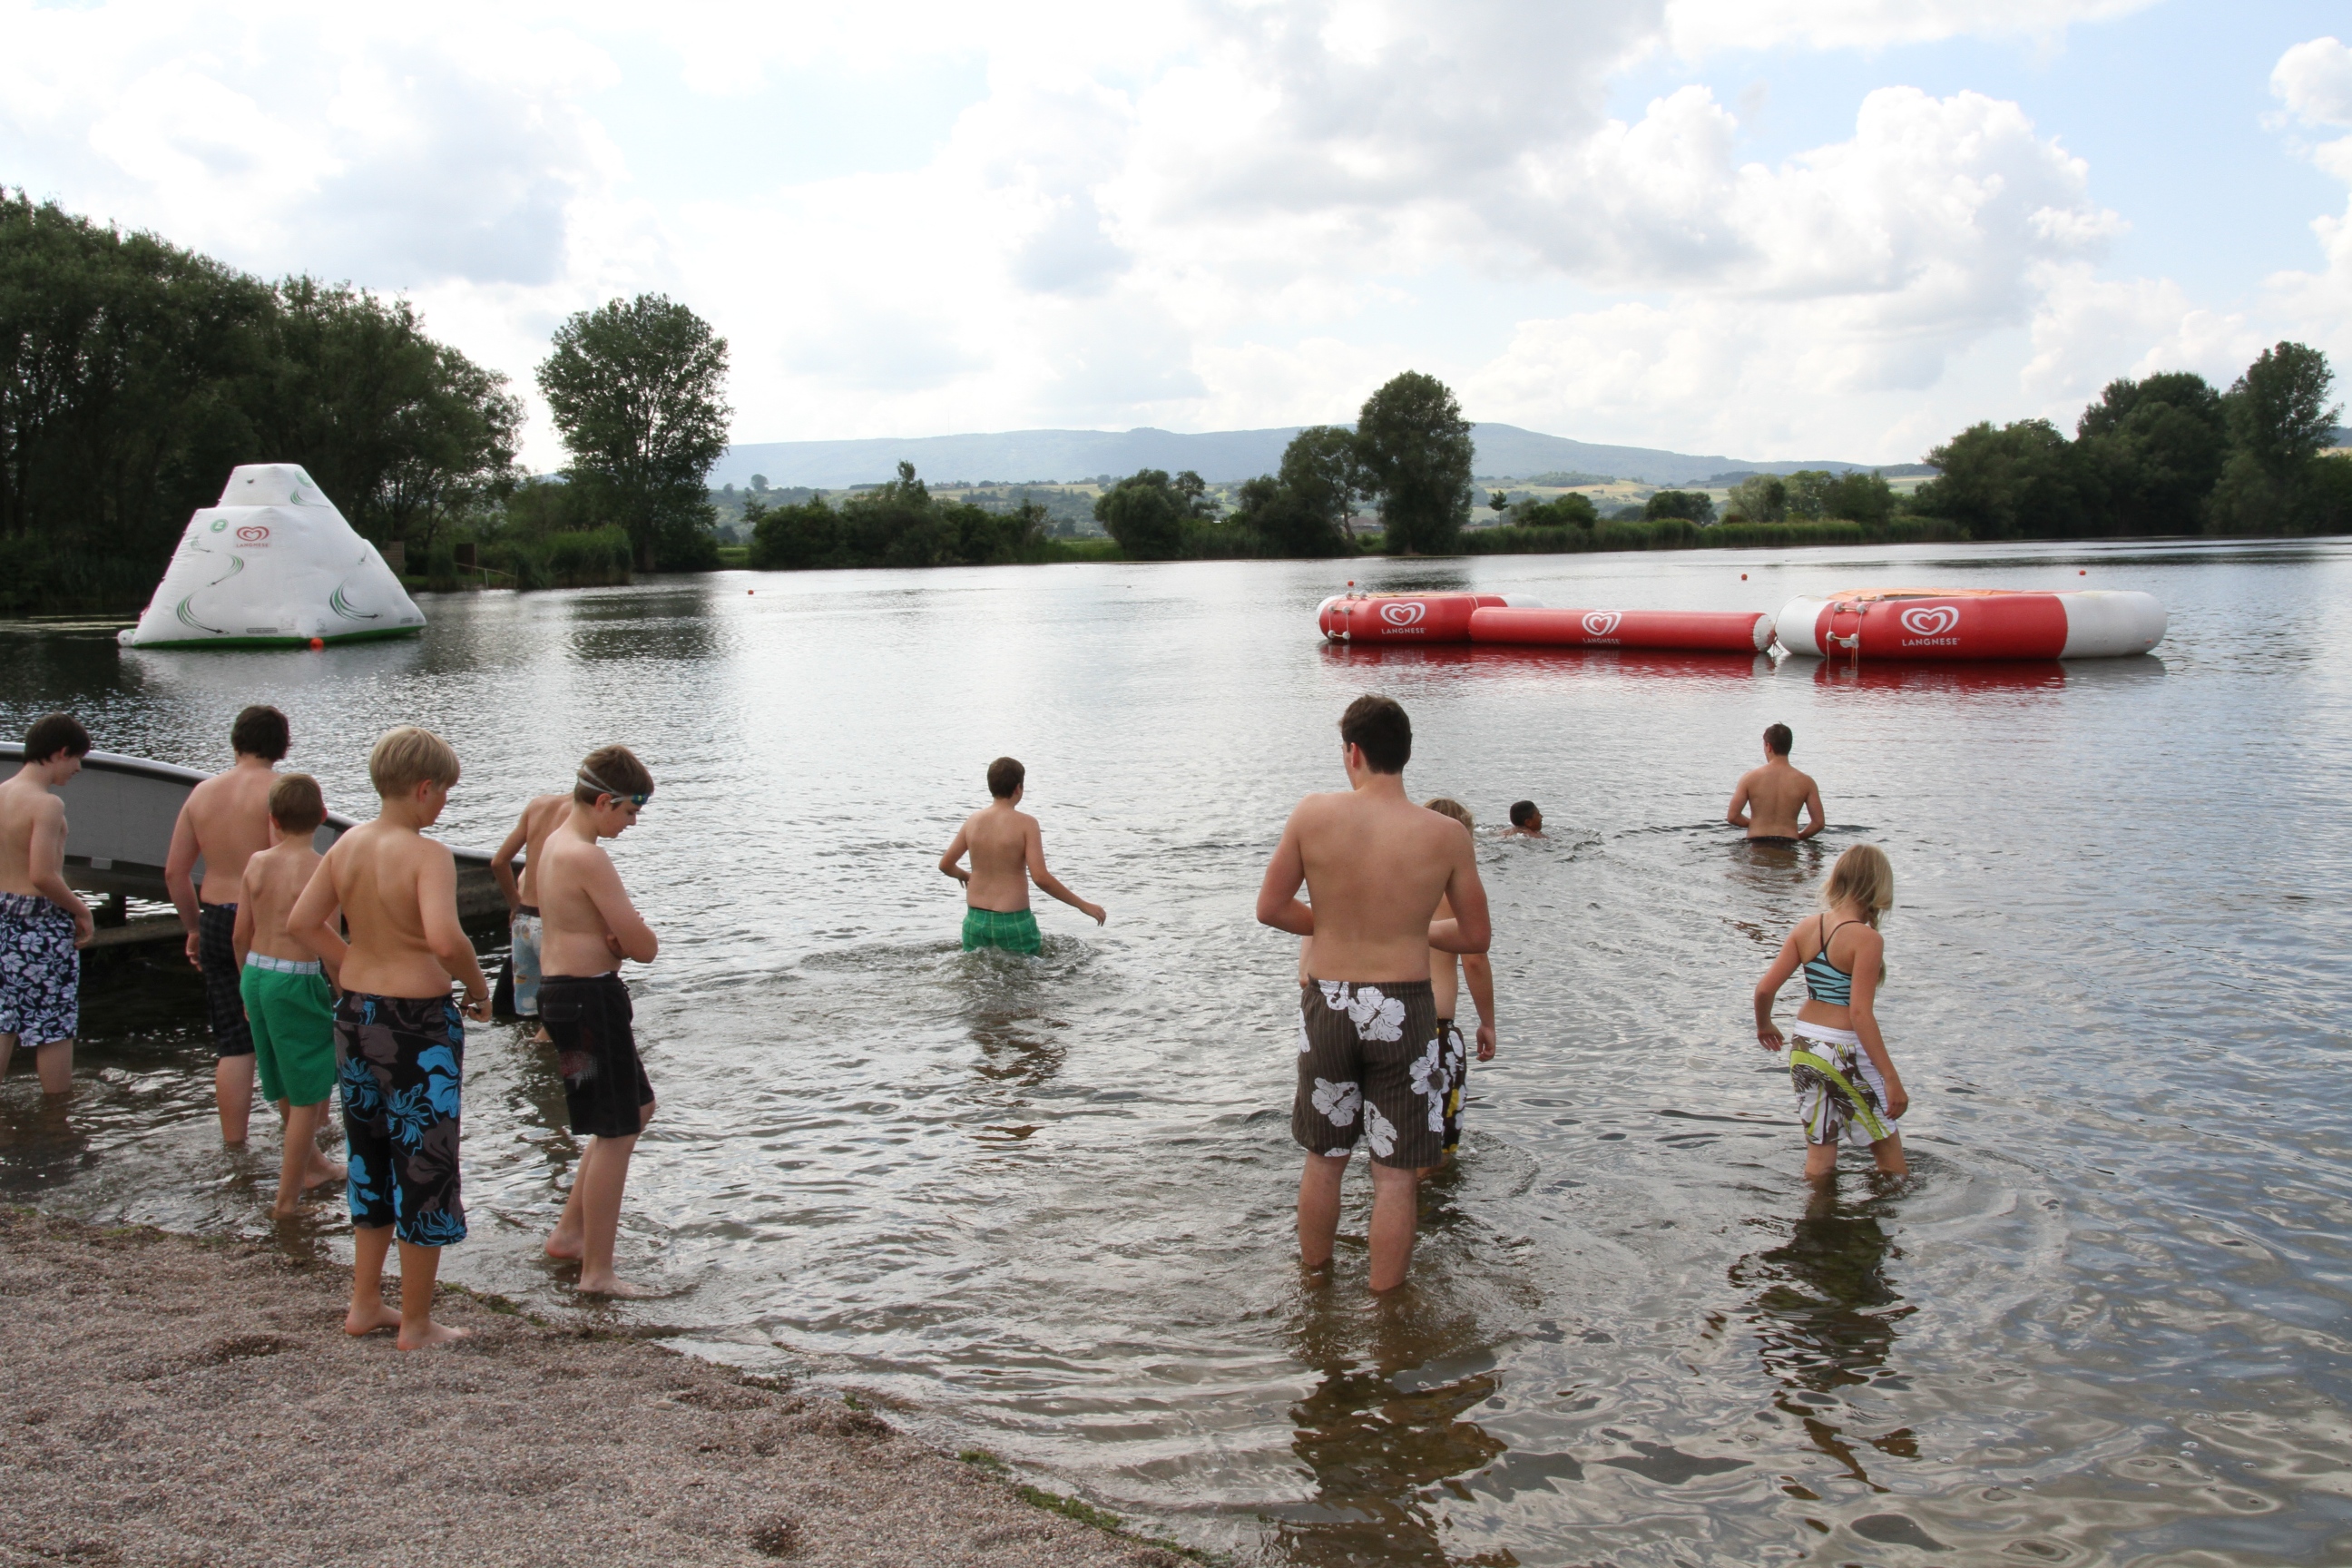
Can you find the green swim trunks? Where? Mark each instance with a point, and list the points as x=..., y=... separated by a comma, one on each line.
x=1014, y=933
x=293, y=1019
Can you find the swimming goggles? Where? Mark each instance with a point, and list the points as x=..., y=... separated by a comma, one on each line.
x=600, y=788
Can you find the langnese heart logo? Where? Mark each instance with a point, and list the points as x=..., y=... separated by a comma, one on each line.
x=252, y=534
x=1602, y=623
x=1405, y=613
x=1930, y=620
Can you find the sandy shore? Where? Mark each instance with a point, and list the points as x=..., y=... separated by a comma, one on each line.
x=167, y=1400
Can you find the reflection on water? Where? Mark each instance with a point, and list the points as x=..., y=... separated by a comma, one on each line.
x=1047, y=1204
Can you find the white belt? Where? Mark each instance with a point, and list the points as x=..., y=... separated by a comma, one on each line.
x=281, y=965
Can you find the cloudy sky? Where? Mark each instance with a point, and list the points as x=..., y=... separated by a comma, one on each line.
x=1831, y=228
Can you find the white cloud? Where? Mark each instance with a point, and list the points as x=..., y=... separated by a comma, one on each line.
x=2314, y=79
x=1699, y=27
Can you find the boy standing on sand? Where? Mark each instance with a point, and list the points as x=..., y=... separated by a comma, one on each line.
x=1008, y=853
x=1446, y=973
x=43, y=926
x=286, y=1003
x=590, y=925
x=538, y=819
x=225, y=821
x=1375, y=865
x=402, y=1042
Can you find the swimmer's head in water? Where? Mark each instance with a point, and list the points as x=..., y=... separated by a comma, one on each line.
x=56, y=733
x=1778, y=739
x=260, y=731
x=1378, y=725
x=612, y=771
x=1862, y=876
x=296, y=804
x=407, y=757
x=1005, y=777
x=1524, y=814
x=1446, y=806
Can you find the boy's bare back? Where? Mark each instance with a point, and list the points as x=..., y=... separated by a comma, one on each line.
x=229, y=816
x=1773, y=795
x=543, y=816
x=384, y=877
x=1375, y=868
x=27, y=812
x=998, y=838
x=273, y=880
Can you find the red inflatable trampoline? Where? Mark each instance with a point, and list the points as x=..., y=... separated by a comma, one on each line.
x=1971, y=623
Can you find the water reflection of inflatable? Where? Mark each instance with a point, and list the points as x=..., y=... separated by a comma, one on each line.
x=1943, y=624
x=2021, y=675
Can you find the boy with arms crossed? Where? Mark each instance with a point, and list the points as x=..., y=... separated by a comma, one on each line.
x=286, y=1003
x=1375, y=865
x=1008, y=853
x=225, y=822
x=589, y=925
x=539, y=818
x=402, y=1041
x=43, y=926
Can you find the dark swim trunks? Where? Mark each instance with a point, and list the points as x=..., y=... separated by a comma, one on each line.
x=605, y=1089
x=223, y=980
x=41, y=971
x=402, y=1059
x=1370, y=1066
x=1771, y=841
x=1454, y=1056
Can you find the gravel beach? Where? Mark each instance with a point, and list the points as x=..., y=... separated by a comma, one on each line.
x=166, y=1400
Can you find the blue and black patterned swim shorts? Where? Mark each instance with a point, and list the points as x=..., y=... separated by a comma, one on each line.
x=402, y=1059
x=41, y=971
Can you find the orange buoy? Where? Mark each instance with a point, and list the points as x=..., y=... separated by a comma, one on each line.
x=317, y=642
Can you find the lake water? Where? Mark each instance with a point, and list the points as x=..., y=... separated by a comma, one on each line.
x=1044, y=1208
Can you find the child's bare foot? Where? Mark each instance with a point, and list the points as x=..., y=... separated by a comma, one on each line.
x=364, y=1319
x=613, y=1285
x=566, y=1248
x=434, y=1334
x=321, y=1170
x=286, y=1208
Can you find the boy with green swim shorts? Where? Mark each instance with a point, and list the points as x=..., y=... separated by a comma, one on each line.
x=286, y=1001
x=1008, y=853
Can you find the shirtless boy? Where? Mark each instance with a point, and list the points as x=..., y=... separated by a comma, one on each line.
x=1375, y=865
x=538, y=819
x=402, y=1042
x=1008, y=853
x=1526, y=822
x=43, y=926
x=225, y=821
x=1447, y=972
x=1767, y=800
x=589, y=926
x=286, y=1003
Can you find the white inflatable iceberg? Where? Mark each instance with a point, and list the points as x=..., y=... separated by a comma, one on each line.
x=273, y=565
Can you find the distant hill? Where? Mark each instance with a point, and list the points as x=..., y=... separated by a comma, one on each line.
x=1220, y=456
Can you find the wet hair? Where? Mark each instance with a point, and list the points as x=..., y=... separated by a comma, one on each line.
x=610, y=770
x=1778, y=739
x=1446, y=806
x=260, y=731
x=1523, y=812
x=1864, y=875
x=1005, y=777
x=296, y=804
x=55, y=734
x=407, y=757
x=1378, y=725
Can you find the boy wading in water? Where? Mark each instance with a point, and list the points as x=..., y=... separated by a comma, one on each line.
x=1767, y=800
x=286, y=1003
x=589, y=925
x=402, y=1042
x=225, y=823
x=1846, y=1084
x=1446, y=973
x=539, y=818
x=1008, y=852
x=1370, y=1066
x=43, y=925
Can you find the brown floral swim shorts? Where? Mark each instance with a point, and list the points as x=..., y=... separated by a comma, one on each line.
x=1371, y=1067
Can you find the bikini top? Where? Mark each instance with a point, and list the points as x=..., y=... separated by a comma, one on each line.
x=1824, y=981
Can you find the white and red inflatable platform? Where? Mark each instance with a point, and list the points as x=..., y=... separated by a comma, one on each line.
x=1496, y=618
x=1971, y=623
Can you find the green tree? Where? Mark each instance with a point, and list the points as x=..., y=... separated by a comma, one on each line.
x=1570, y=510
x=1695, y=506
x=1414, y=442
x=1304, y=510
x=1761, y=498
x=2278, y=418
x=2019, y=480
x=1145, y=513
x=1860, y=497
x=2150, y=451
x=637, y=390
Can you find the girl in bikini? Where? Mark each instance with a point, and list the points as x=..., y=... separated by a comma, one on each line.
x=1847, y=1088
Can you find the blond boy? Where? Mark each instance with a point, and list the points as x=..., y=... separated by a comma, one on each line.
x=402, y=1040
x=286, y=1004
x=589, y=925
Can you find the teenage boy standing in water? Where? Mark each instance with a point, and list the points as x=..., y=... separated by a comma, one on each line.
x=540, y=817
x=402, y=1042
x=1008, y=852
x=1767, y=799
x=43, y=926
x=1375, y=865
x=588, y=924
x=225, y=823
